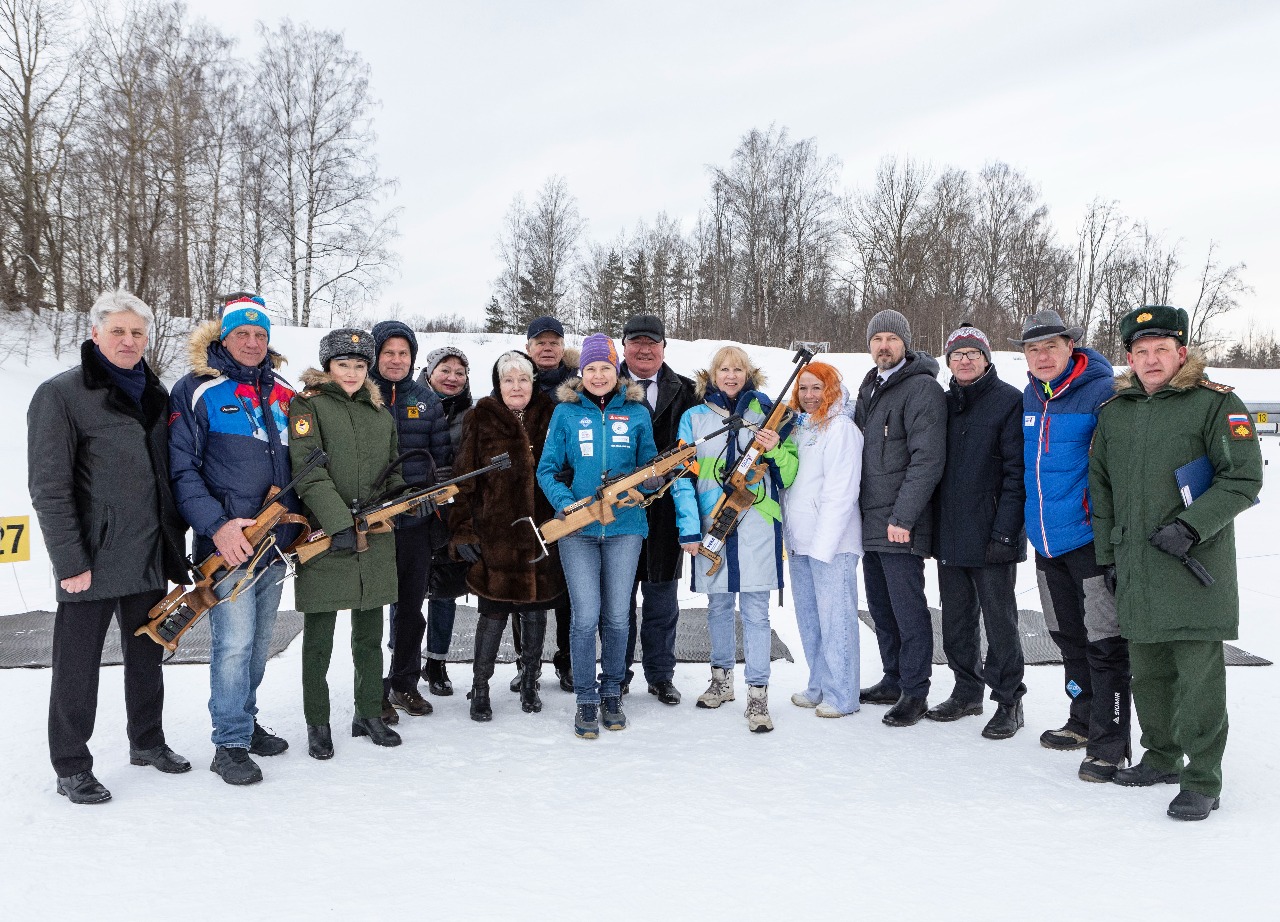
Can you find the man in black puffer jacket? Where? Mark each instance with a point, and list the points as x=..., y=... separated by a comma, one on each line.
x=421, y=425
x=980, y=537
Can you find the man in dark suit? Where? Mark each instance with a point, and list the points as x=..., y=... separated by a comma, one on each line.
x=667, y=395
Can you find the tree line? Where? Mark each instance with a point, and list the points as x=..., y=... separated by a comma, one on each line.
x=779, y=252
x=138, y=149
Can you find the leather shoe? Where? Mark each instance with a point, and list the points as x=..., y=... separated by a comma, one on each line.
x=880, y=693
x=566, y=678
x=389, y=715
x=162, y=757
x=1143, y=775
x=907, y=712
x=1192, y=805
x=265, y=743
x=411, y=702
x=83, y=788
x=319, y=741
x=666, y=691
x=1006, y=723
x=376, y=730
x=953, y=709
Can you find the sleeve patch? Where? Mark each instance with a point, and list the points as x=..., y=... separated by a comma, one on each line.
x=302, y=425
x=1240, y=425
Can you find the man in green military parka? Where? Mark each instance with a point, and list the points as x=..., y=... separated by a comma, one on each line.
x=1149, y=538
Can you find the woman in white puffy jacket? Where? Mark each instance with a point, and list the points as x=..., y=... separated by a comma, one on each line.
x=824, y=539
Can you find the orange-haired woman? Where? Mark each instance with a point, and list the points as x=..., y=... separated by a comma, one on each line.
x=824, y=539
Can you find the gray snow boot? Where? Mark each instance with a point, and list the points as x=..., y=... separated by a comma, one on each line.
x=758, y=720
x=719, y=691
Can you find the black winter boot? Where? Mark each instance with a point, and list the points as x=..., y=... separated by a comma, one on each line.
x=533, y=628
x=1006, y=722
x=488, y=639
x=437, y=678
x=376, y=729
x=319, y=741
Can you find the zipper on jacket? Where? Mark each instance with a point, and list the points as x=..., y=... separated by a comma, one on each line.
x=1043, y=436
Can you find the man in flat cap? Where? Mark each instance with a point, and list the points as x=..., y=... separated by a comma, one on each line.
x=1066, y=386
x=1175, y=459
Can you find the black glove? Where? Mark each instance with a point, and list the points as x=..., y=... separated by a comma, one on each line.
x=422, y=510
x=344, y=540
x=1174, y=539
x=1109, y=578
x=469, y=553
x=652, y=484
x=565, y=476
x=560, y=514
x=1002, y=550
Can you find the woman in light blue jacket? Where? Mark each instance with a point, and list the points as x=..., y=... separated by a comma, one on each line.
x=600, y=430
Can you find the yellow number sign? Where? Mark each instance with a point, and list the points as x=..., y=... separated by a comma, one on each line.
x=15, y=539
x=1262, y=417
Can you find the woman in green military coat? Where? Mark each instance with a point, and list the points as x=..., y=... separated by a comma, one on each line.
x=341, y=411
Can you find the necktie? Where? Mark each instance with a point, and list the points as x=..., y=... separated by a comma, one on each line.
x=648, y=392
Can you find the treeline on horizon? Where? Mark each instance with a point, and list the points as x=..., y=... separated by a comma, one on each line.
x=779, y=253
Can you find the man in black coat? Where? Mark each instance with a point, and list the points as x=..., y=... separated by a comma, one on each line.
x=980, y=537
x=98, y=474
x=902, y=413
x=667, y=396
x=422, y=427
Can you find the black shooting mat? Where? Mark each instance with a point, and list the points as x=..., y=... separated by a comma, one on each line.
x=693, y=644
x=26, y=641
x=1038, y=648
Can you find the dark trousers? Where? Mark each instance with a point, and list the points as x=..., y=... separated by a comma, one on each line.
x=904, y=627
x=1180, y=691
x=366, y=655
x=413, y=570
x=79, y=630
x=659, y=615
x=971, y=595
x=1081, y=616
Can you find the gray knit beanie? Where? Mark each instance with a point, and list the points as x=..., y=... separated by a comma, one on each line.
x=436, y=356
x=890, y=322
x=347, y=343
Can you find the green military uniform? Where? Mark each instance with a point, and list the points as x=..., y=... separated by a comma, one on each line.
x=359, y=436
x=1174, y=624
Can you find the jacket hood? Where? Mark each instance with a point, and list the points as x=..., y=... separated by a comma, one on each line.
x=1188, y=376
x=206, y=335
x=382, y=332
x=313, y=378
x=756, y=379
x=571, y=391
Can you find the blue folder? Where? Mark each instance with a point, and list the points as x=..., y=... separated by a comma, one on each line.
x=1194, y=478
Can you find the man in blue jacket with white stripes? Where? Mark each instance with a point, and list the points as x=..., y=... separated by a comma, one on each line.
x=228, y=445
x=1060, y=405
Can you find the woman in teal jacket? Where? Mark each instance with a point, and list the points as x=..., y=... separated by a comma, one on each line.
x=601, y=429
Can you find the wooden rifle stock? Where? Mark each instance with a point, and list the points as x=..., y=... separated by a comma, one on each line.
x=746, y=475
x=182, y=608
x=376, y=519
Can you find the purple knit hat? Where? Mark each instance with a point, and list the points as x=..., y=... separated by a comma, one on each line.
x=598, y=347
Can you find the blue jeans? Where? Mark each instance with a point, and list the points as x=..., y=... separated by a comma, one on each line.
x=440, y=615
x=756, y=633
x=826, y=598
x=600, y=573
x=238, y=655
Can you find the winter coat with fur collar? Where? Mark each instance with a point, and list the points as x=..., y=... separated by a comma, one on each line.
x=359, y=436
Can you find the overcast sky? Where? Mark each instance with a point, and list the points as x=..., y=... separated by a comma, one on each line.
x=1168, y=107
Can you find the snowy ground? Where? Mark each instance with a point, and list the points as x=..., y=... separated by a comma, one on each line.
x=681, y=816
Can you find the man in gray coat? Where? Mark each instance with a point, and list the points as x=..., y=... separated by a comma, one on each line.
x=98, y=473
x=902, y=413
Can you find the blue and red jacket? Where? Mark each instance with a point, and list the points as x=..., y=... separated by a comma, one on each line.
x=228, y=439
x=1058, y=420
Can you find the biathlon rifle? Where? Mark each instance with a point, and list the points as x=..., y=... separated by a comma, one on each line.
x=375, y=519
x=183, y=608
x=622, y=491
x=740, y=494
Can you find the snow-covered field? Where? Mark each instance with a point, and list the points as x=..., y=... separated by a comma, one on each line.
x=684, y=815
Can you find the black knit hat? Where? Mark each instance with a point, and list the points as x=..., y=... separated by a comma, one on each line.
x=386, y=329
x=347, y=343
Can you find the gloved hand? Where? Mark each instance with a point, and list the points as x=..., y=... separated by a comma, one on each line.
x=560, y=514
x=1001, y=550
x=565, y=476
x=469, y=553
x=422, y=511
x=652, y=484
x=1109, y=578
x=344, y=540
x=1174, y=539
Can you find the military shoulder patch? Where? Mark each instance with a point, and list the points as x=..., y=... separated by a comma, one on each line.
x=1215, y=386
x=302, y=425
x=1240, y=425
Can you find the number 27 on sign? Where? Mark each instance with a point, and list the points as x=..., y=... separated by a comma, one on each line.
x=15, y=539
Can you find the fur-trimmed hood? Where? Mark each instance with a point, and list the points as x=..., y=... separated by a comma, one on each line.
x=313, y=378
x=756, y=379
x=571, y=391
x=1188, y=376
x=204, y=336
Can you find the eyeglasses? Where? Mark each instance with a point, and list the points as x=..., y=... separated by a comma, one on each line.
x=966, y=355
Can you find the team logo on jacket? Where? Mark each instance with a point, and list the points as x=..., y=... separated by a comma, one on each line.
x=302, y=425
x=230, y=408
x=1029, y=420
x=584, y=422
x=412, y=412
x=620, y=428
x=1241, y=425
